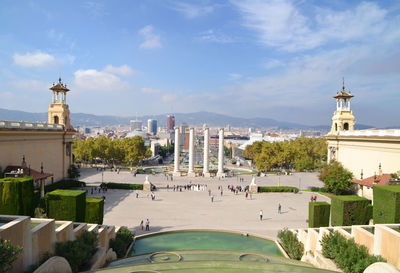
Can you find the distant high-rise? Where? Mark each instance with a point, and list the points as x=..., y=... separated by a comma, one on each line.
x=152, y=126
x=136, y=125
x=171, y=122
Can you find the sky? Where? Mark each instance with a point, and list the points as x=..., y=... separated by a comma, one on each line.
x=277, y=59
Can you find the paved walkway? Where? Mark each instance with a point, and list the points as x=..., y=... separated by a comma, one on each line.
x=194, y=209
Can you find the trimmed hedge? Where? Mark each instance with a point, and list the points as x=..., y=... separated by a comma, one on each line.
x=64, y=184
x=122, y=186
x=94, y=211
x=386, y=204
x=347, y=210
x=16, y=196
x=278, y=189
x=66, y=205
x=318, y=214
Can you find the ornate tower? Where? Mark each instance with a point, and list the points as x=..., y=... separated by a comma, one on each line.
x=343, y=118
x=59, y=110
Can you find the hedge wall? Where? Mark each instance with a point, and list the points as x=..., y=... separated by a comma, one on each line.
x=64, y=184
x=123, y=186
x=66, y=205
x=94, y=210
x=318, y=214
x=16, y=196
x=278, y=189
x=347, y=210
x=386, y=204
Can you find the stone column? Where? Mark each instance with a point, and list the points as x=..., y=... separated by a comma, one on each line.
x=176, y=153
x=220, y=172
x=191, y=172
x=206, y=172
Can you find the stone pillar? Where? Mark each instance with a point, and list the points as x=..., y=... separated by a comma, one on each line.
x=147, y=184
x=220, y=172
x=191, y=172
x=176, y=153
x=253, y=188
x=206, y=172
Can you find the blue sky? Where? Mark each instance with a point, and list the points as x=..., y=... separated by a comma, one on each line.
x=278, y=59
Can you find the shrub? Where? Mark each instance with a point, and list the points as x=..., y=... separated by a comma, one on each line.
x=73, y=172
x=347, y=255
x=290, y=244
x=278, y=189
x=67, y=205
x=8, y=255
x=350, y=210
x=64, y=184
x=122, y=186
x=79, y=252
x=16, y=196
x=318, y=214
x=94, y=210
x=336, y=178
x=386, y=204
x=318, y=189
x=121, y=242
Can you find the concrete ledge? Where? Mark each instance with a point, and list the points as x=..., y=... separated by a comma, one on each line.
x=55, y=264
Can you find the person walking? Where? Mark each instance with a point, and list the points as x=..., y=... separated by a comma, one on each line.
x=141, y=225
x=137, y=194
x=147, y=224
x=261, y=215
x=212, y=198
x=279, y=208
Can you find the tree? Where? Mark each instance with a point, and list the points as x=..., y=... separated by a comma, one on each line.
x=135, y=151
x=337, y=179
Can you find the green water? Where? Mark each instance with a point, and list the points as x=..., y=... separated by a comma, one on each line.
x=203, y=240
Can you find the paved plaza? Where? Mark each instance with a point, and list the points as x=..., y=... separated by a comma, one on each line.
x=172, y=210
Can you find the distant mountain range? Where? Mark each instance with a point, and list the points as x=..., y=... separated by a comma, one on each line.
x=197, y=119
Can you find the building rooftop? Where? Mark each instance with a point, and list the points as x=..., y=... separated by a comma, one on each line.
x=378, y=180
x=23, y=125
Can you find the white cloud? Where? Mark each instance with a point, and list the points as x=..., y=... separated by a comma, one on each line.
x=191, y=11
x=92, y=79
x=211, y=36
x=150, y=91
x=151, y=40
x=280, y=23
x=123, y=70
x=274, y=64
x=168, y=97
x=37, y=59
x=235, y=76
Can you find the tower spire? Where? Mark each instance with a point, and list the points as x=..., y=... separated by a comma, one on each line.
x=343, y=83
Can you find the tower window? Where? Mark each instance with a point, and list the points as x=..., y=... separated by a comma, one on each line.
x=335, y=126
x=56, y=120
x=346, y=126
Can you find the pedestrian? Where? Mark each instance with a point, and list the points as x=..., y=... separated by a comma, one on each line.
x=221, y=192
x=279, y=208
x=261, y=215
x=137, y=194
x=147, y=224
x=212, y=198
x=315, y=198
x=247, y=194
x=141, y=225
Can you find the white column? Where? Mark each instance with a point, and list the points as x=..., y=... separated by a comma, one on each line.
x=54, y=97
x=191, y=152
x=176, y=153
x=221, y=153
x=206, y=172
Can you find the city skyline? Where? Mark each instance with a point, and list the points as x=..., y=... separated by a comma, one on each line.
x=274, y=59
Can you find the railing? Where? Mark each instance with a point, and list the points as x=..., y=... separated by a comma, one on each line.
x=30, y=125
x=377, y=132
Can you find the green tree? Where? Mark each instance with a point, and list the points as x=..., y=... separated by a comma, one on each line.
x=336, y=178
x=135, y=151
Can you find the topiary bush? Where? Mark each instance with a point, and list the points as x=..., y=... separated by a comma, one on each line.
x=64, y=184
x=293, y=247
x=122, y=186
x=8, y=255
x=278, y=189
x=386, y=204
x=121, y=242
x=79, y=252
x=94, y=210
x=347, y=210
x=318, y=214
x=67, y=205
x=16, y=196
x=347, y=255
